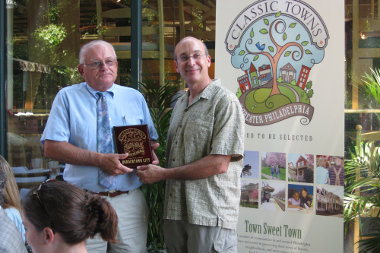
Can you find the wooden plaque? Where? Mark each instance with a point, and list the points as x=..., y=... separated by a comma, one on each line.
x=135, y=141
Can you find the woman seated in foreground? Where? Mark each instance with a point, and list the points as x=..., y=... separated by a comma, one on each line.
x=59, y=217
x=11, y=204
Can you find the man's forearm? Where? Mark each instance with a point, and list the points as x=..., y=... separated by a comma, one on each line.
x=206, y=167
x=68, y=153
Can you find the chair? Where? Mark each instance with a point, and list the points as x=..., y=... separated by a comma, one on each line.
x=30, y=178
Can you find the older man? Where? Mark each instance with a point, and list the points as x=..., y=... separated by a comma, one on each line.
x=78, y=133
x=336, y=171
x=204, y=155
x=322, y=173
x=11, y=240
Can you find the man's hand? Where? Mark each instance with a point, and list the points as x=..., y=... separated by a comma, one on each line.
x=68, y=153
x=150, y=173
x=110, y=163
x=155, y=158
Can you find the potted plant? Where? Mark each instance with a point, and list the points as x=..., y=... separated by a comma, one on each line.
x=362, y=186
x=159, y=98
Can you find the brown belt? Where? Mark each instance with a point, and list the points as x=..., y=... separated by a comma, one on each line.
x=111, y=194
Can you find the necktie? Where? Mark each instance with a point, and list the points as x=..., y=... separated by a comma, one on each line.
x=104, y=138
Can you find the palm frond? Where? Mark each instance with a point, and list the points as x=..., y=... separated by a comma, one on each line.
x=158, y=98
x=373, y=84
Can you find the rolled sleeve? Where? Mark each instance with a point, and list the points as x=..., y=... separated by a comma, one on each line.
x=57, y=127
x=228, y=129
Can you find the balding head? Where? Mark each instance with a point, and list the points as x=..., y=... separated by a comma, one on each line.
x=186, y=39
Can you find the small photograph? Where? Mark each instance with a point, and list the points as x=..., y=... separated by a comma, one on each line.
x=273, y=166
x=329, y=201
x=300, y=198
x=301, y=168
x=249, y=194
x=272, y=196
x=330, y=170
x=251, y=165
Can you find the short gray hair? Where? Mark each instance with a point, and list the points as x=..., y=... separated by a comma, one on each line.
x=3, y=181
x=90, y=44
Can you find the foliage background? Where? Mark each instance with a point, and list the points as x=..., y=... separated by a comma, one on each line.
x=159, y=98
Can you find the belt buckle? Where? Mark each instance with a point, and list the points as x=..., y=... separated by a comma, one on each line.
x=110, y=192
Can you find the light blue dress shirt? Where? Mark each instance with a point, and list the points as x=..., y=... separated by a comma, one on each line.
x=322, y=175
x=73, y=119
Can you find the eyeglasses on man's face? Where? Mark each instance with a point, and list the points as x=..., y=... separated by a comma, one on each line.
x=36, y=194
x=185, y=58
x=99, y=64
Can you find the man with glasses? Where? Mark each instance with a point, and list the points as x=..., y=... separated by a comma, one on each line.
x=204, y=158
x=79, y=133
x=11, y=240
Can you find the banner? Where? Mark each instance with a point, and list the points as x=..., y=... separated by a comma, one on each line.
x=285, y=62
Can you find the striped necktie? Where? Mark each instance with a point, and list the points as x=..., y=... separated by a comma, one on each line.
x=104, y=138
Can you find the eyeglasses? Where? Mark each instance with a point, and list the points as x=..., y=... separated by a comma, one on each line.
x=185, y=58
x=99, y=64
x=37, y=196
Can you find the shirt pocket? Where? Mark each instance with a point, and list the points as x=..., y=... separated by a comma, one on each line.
x=81, y=136
x=198, y=137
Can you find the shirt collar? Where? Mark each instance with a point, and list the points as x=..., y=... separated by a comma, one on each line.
x=208, y=92
x=93, y=91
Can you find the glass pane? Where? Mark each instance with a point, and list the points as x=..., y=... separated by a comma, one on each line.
x=362, y=122
x=44, y=39
x=365, y=9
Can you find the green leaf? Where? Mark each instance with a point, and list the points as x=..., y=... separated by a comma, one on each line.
x=307, y=51
x=241, y=52
x=278, y=14
x=287, y=53
x=266, y=21
x=292, y=25
x=256, y=57
x=298, y=37
x=158, y=98
x=252, y=33
x=264, y=31
x=284, y=36
x=305, y=43
x=271, y=48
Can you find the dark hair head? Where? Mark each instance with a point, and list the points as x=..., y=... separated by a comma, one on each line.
x=3, y=181
x=304, y=189
x=76, y=215
x=295, y=191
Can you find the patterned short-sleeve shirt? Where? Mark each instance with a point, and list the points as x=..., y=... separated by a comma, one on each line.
x=212, y=124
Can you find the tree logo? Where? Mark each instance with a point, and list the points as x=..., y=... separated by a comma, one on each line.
x=276, y=44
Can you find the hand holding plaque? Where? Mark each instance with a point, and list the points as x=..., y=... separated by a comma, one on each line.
x=135, y=141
